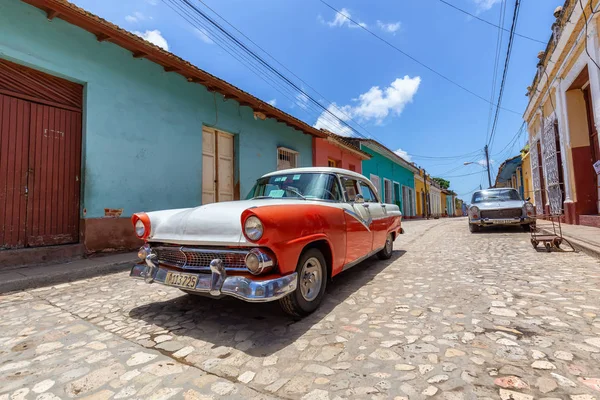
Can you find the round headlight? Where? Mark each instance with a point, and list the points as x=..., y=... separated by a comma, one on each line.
x=140, y=229
x=253, y=228
x=474, y=211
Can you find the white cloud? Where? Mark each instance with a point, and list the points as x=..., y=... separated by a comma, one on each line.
x=376, y=104
x=329, y=122
x=403, y=154
x=136, y=17
x=302, y=100
x=272, y=102
x=390, y=27
x=202, y=34
x=342, y=19
x=483, y=163
x=484, y=5
x=154, y=37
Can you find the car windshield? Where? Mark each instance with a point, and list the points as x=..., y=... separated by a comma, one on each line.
x=496, y=195
x=304, y=185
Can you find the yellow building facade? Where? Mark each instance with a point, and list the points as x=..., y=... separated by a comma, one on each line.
x=563, y=118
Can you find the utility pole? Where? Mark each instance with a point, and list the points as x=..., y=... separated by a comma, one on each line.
x=427, y=203
x=487, y=163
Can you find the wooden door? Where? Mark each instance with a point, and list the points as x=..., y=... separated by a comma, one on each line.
x=225, y=164
x=53, y=176
x=14, y=141
x=209, y=176
x=217, y=166
x=40, y=158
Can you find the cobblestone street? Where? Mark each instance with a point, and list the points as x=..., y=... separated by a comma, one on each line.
x=452, y=315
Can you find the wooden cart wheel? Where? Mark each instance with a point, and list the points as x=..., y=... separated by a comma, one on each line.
x=557, y=242
x=534, y=243
x=548, y=247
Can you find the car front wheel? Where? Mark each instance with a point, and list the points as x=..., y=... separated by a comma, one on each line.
x=474, y=228
x=386, y=252
x=312, y=280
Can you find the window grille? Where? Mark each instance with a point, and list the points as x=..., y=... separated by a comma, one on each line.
x=286, y=158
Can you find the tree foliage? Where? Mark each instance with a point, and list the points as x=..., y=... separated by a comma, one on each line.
x=444, y=184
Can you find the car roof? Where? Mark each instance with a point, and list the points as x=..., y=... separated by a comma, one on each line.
x=494, y=189
x=326, y=170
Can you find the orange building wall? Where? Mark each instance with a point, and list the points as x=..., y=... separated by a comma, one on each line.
x=324, y=150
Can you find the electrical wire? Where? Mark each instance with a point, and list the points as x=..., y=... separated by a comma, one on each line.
x=246, y=58
x=499, y=39
x=490, y=23
x=446, y=157
x=411, y=57
x=506, y=64
x=586, y=32
x=286, y=68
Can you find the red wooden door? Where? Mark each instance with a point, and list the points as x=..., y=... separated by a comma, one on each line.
x=40, y=157
x=14, y=140
x=53, y=181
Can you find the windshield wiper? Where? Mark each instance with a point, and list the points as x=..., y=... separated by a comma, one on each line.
x=289, y=189
x=262, y=197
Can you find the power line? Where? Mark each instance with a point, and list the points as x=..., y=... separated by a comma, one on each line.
x=413, y=58
x=282, y=65
x=247, y=57
x=499, y=38
x=490, y=23
x=506, y=63
x=446, y=157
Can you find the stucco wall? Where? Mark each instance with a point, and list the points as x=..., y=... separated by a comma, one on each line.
x=385, y=168
x=142, y=126
x=323, y=150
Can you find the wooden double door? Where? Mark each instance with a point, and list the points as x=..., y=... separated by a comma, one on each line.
x=40, y=158
x=217, y=166
x=40, y=152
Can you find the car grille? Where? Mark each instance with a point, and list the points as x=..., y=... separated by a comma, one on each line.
x=502, y=214
x=199, y=259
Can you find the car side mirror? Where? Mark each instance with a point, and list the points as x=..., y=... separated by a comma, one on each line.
x=359, y=199
x=527, y=199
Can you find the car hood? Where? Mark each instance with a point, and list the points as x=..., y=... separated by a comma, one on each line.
x=215, y=224
x=495, y=205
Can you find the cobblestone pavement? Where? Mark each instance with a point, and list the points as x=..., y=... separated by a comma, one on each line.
x=452, y=316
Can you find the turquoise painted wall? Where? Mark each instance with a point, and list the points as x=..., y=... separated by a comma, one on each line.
x=386, y=168
x=142, y=126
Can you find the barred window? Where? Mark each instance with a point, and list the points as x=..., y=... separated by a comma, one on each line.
x=286, y=158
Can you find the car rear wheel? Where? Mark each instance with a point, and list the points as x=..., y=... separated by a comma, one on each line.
x=526, y=227
x=386, y=252
x=312, y=280
x=474, y=228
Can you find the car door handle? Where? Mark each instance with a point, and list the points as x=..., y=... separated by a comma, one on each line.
x=366, y=205
x=384, y=205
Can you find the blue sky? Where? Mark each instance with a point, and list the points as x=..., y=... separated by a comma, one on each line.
x=394, y=99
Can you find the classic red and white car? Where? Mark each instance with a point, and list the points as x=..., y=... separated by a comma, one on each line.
x=299, y=228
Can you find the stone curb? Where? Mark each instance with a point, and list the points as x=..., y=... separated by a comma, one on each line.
x=579, y=245
x=63, y=273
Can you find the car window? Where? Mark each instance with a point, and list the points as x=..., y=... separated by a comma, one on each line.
x=307, y=185
x=367, y=193
x=350, y=188
x=495, y=195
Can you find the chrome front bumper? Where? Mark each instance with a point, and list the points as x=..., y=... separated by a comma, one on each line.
x=502, y=221
x=217, y=283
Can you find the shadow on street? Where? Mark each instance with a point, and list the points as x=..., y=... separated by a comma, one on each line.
x=217, y=321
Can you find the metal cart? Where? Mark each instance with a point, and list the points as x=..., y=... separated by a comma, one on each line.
x=549, y=240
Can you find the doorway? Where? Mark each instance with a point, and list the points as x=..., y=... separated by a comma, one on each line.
x=217, y=166
x=40, y=158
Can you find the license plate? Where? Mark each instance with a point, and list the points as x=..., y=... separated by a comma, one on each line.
x=182, y=280
x=504, y=221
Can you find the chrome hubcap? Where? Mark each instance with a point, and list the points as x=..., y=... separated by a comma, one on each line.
x=389, y=244
x=310, y=279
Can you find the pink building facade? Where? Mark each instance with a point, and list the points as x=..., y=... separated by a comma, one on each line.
x=334, y=151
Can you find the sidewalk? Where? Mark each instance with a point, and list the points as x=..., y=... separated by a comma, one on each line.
x=20, y=278
x=584, y=238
